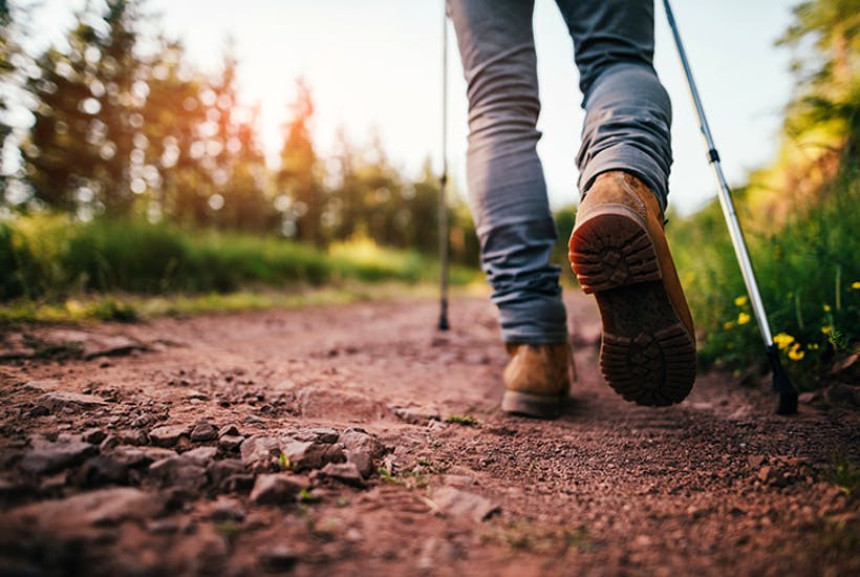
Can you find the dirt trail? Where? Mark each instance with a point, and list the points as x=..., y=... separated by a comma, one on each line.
x=357, y=440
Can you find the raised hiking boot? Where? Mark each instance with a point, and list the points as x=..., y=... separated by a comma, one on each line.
x=537, y=379
x=619, y=253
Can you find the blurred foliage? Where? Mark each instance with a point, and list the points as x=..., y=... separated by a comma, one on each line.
x=125, y=130
x=800, y=215
x=53, y=258
x=808, y=275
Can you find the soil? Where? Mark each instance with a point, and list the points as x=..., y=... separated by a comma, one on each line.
x=359, y=440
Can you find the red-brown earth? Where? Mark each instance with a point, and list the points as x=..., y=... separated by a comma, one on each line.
x=359, y=440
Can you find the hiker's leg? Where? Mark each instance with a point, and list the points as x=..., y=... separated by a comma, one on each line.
x=628, y=114
x=505, y=179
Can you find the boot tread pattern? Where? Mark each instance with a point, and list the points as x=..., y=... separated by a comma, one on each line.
x=603, y=261
x=650, y=369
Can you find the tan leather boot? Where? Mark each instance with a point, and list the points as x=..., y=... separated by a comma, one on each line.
x=537, y=379
x=619, y=252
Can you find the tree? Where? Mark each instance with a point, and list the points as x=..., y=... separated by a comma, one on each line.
x=233, y=155
x=172, y=117
x=85, y=149
x=9, y=49
x=828, y=74
x=301, y=198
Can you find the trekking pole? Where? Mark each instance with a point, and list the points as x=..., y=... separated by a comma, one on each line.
x=443, y=184
x=781, y=383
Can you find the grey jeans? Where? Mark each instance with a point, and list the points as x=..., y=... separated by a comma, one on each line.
x=627, y=122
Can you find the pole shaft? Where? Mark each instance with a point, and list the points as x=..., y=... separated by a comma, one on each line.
x=443, y=183
x=724, y=195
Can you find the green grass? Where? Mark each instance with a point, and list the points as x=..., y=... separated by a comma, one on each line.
x=808, y=273
x=465, y=420
x=58, y=269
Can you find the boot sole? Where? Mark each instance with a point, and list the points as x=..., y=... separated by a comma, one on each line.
x=646, y=354
x=531, y=405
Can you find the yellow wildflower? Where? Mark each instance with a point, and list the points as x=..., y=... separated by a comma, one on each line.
x=856, y=285
x=795, y=354
x=827, y=308
x=782, y=340
x=741, y=301
x=728, y=325
x=814, y=346
x=826, y=330
x=743, y=318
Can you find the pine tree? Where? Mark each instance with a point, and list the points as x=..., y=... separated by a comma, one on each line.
x=173, y=116
x=83, y=153
x=301, y=198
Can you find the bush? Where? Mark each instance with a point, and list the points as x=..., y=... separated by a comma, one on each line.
x=52, y=257
x=808, y=274
x=129, y=256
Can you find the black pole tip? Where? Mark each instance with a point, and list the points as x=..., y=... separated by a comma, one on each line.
x=787, y=404
x=788, y=395
x=443, y=315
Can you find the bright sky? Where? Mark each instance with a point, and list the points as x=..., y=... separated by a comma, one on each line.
x=375, y=66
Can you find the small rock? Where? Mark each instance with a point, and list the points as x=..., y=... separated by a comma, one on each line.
x=56, y=457
x=57, y=400
x=195, y=395
x=362, y=461
x=459, y=503
x=756, y=461
x=93, y=436
x=200, y=456
x=227, y=509
x=277, y=489
x=226, y=430
x=100, y=471
x=238, y=483
x=134, y=437
x=39, y=411
x=764, y=474
x=303, y=456
x=203, y=432
x=220, y=470
x=360, y=441
x=140, y=456
x=277, y=559
x=168, y=435
x=230, y=443
x=259, y=452
x=105, y=507
x=176, y=472
x=323, y=435
x=42, y=386
x=416, y=415
x=110, y=442
x=344, y=472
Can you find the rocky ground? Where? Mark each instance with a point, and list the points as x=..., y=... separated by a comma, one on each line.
x=357, y=440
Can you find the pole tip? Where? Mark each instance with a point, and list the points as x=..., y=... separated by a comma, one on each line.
x=788, y=395
x=787, y=404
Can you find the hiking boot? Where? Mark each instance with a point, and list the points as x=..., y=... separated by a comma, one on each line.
x=619, y=253
x=537, y=379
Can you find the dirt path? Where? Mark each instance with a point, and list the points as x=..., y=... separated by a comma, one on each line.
x=156, y=449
